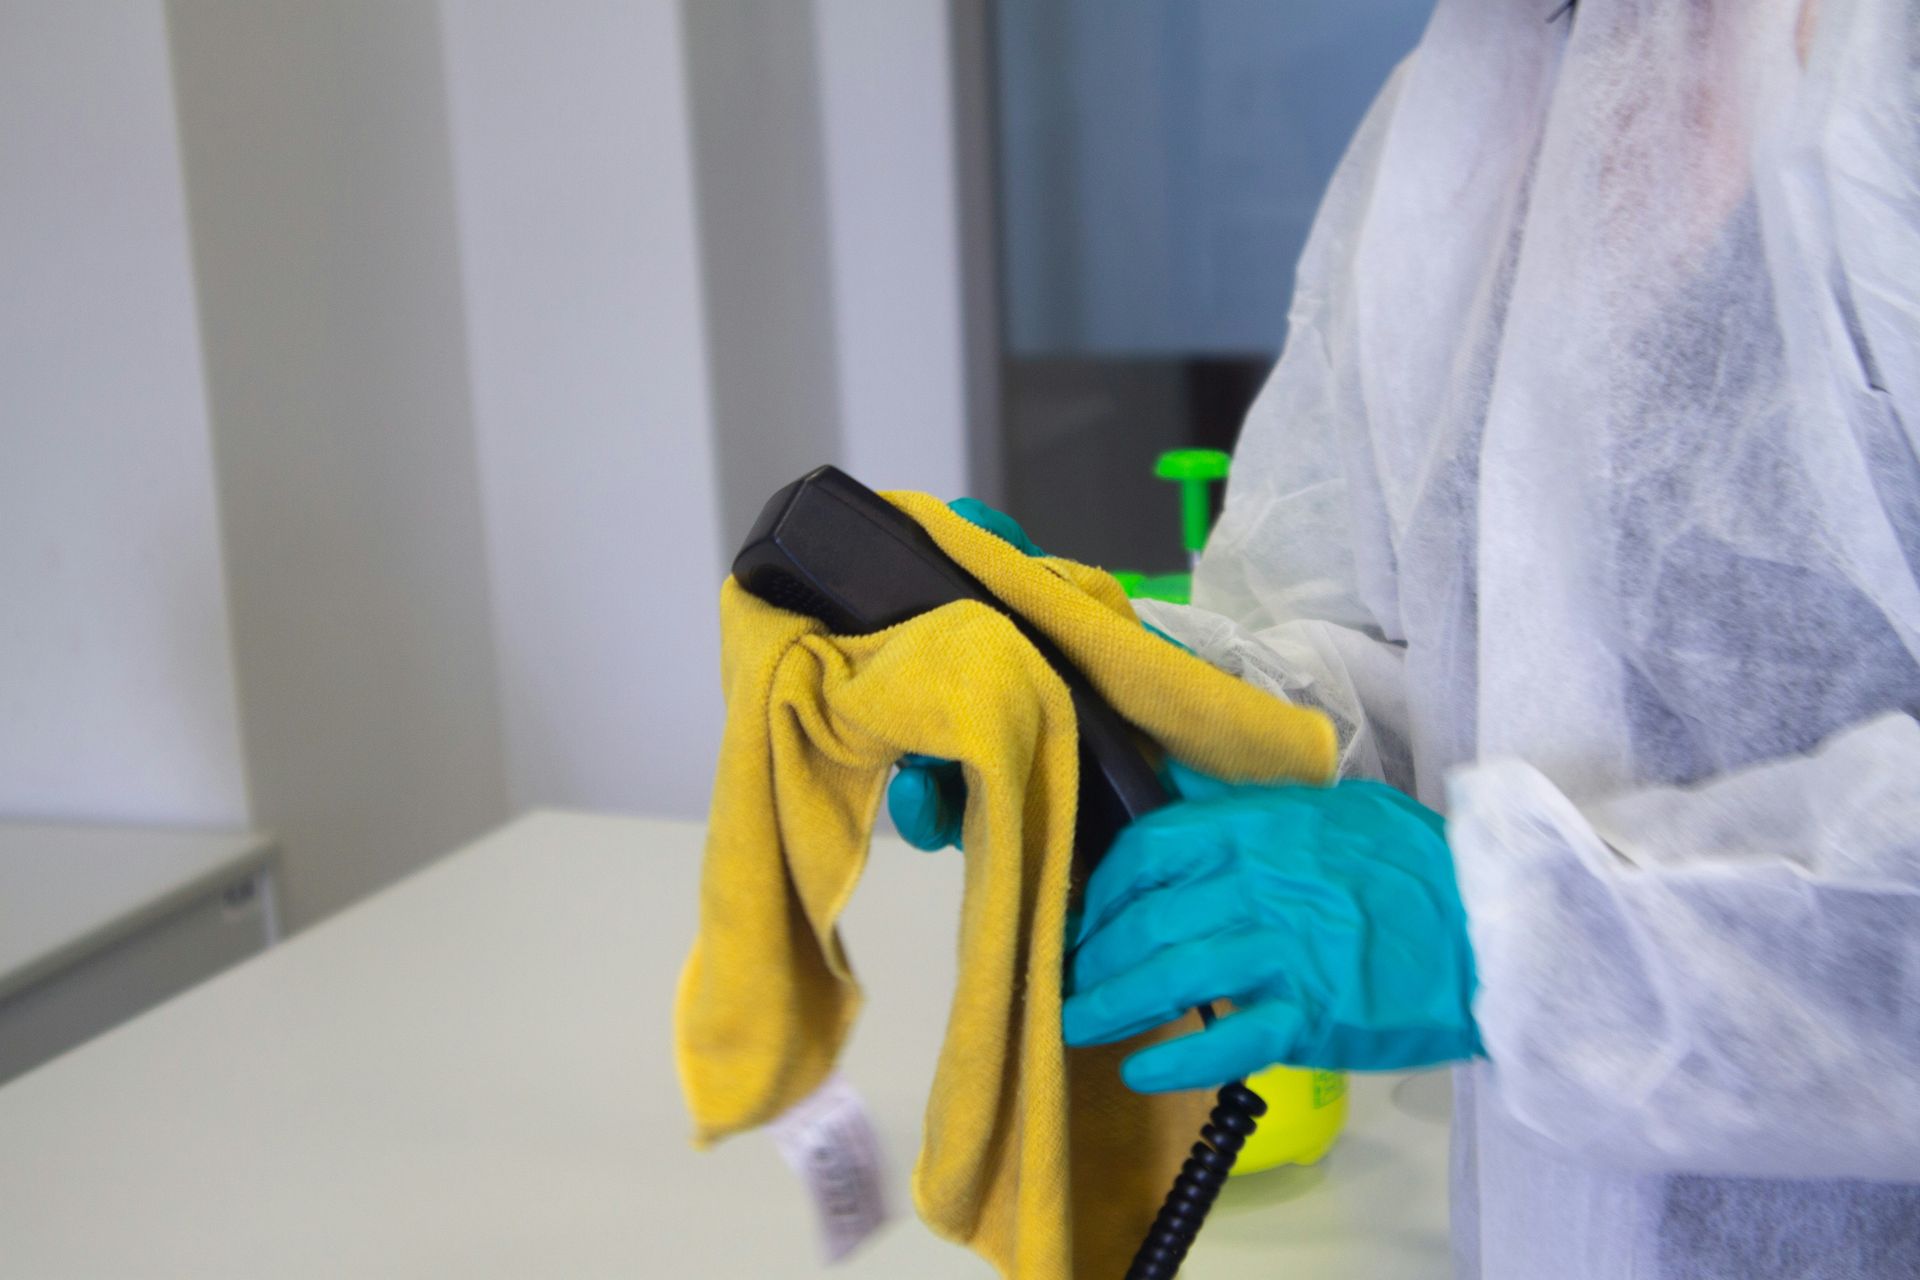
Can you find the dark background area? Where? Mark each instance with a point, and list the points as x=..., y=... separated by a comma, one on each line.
x=1156, y=168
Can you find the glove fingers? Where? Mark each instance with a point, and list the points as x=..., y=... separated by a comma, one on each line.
x=927, y=800
x=1234, y=1047
x=1155, y=920
x=1165, y=984
x=995, y=522
x=1164, y=848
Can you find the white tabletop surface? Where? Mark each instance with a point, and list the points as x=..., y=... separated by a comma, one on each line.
x=470, y=1075
x=66, y=890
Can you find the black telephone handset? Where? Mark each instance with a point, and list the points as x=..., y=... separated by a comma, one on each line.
x=831, y=548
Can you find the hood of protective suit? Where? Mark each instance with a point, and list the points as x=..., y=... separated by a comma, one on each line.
x=1600, y=396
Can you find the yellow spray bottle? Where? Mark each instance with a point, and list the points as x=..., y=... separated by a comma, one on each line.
x=1306, y=1110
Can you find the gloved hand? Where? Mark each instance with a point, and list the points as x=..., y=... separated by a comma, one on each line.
x=1329, y=916
x=928, y=797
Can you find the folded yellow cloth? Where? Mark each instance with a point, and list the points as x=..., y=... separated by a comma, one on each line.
x=1035, y=1156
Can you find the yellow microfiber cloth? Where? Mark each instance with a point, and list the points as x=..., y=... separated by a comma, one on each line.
x=1035, y=1156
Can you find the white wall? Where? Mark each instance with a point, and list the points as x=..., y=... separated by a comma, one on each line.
x=753, y=81
x=643, y=378
x=116, y=683
x=887, y=108
x=512, y=317
x=825, y=159
x=320, y=187
x=590, y=395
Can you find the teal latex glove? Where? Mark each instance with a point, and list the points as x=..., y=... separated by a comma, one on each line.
x=927, y=800
x=928, y=797
x=998, y=523
x=1329, y=916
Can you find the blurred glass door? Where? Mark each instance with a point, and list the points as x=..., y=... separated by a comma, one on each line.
x=1156, y=166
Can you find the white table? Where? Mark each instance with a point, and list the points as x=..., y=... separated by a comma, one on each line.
x=98, y=923
x=470, y=1075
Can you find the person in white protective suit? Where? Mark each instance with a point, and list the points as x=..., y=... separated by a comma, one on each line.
x=1585, y=499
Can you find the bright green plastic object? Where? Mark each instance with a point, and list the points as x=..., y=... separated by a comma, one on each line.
x=1175, y=588
x=1193, y=470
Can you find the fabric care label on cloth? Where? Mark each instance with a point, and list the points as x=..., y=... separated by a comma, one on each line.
x=829, y=1140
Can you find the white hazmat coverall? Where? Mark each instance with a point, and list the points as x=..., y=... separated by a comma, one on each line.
x=1586, y=498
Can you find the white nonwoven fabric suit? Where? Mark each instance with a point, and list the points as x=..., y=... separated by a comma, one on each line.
x=1586, y=499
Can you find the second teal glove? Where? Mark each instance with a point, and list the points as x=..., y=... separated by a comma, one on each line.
x=1329, y=916
x=927, y=800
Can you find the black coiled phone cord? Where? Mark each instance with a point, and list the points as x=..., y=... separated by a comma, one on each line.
x=1236, y=1112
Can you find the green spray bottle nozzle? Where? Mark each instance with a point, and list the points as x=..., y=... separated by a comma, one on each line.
x=1193, y=470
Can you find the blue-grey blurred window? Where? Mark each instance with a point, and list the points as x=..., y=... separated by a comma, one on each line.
x=1158, y=165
